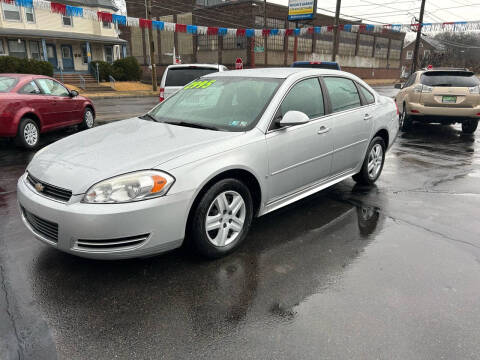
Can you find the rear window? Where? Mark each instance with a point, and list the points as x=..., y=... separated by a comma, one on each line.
x=317, y=65
x=7, y=83
x=182, y=76
x=450, y=79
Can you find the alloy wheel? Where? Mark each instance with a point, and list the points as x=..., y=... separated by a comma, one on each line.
x=375, y=161
x=30, y=134
x=89, y=119
x=225, y=218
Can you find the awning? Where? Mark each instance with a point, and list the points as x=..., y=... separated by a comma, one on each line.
x=47, y=34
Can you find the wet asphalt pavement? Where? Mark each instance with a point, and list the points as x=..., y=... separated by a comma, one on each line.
x=387, y=272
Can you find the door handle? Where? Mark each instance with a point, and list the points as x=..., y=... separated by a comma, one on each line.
x=323, y=130
x=367, y=117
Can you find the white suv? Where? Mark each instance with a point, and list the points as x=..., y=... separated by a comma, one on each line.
x=177, y=76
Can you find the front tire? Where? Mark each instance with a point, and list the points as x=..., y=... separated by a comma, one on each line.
x=28, y=135
x=373, y=163
x=469, y=126
x=221, y=219
x=88, y=119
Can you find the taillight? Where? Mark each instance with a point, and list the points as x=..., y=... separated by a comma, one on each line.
x=474, y=90
x=419, y=88
x=398, y=112
x=162, y=94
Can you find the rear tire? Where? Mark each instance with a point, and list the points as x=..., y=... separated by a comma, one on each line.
x=228, y=209
x=469, y=126
x=88, y=119
x=405, y=120
x=373, y=163
x=28, y=135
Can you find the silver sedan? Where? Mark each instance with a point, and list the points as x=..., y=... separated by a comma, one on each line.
x=200, y=166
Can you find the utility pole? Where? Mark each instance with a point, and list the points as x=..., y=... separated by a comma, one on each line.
x=336, y=33
x=152, y=47
x=417, y=41
x=265, y=38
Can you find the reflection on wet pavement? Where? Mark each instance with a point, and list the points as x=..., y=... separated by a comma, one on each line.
x=389, y=271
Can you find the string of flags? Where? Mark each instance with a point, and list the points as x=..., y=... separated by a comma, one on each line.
x=122, y=20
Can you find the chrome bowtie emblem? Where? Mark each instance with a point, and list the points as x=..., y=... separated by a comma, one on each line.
x=39, y=187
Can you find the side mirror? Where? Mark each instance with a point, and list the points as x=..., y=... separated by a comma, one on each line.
x=397, y=86
x=73, y=93
x=293, y=117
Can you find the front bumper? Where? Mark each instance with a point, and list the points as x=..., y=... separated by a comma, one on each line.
x=417, y=109
x=160, y=221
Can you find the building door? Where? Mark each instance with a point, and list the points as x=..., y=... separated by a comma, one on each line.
x=67, y=57
x=52, y=55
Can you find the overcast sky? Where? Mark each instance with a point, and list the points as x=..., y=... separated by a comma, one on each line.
x=401, y=11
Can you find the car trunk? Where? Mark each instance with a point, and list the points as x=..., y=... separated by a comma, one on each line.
x=449, y=97
x=449, y=89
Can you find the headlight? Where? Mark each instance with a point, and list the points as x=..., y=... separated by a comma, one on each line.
x=130, y=187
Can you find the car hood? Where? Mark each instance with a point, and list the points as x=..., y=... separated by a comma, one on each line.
x=79, y=161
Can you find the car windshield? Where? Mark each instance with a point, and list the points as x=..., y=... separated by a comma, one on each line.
x=7, y=83
x=183, y=75
x=450, y=78
x=221, y=103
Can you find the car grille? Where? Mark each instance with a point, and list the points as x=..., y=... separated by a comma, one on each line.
x=43, y=227
x=112, y=244
x=50, y=190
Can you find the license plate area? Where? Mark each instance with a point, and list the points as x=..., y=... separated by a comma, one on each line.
x=449, y=99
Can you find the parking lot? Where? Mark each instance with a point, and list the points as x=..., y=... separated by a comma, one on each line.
x=384, y=272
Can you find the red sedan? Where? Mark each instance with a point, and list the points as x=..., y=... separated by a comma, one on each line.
x=34, y=104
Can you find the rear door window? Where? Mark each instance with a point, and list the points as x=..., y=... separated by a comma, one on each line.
x=30, y=88
x=369, y=98
x=7, y=83
x=343, y=93
x=183, y=75
x=450, y=79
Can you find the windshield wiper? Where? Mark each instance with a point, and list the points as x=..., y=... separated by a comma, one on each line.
x=193, y=125
x=147, y=116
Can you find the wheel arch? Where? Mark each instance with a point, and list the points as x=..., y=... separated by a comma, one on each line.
x=30, y=115
x=242, y=174
x=90, y=106
x=383, y=133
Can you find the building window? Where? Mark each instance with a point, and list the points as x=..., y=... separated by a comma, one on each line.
x=67, y=21
x=2, y=51
x=395, y=49
x=409, y=54
x=106, y=25
x=365, y=45
x=109, y=54
x=29, y=15
x=11, y=12
x=84, y=54
x=17, y=49
x=272, y=23
x=36, y=50
x=234, y=42
x=426, y=53
x=381, y=48
x=347, y=44
x=207, y=42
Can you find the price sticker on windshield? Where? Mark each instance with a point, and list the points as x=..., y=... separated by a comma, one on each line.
x=200, y=84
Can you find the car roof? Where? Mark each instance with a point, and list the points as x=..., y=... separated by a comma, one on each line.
x=31, y=76
x=212, y=66
x=276, y=73
x=316, y=62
